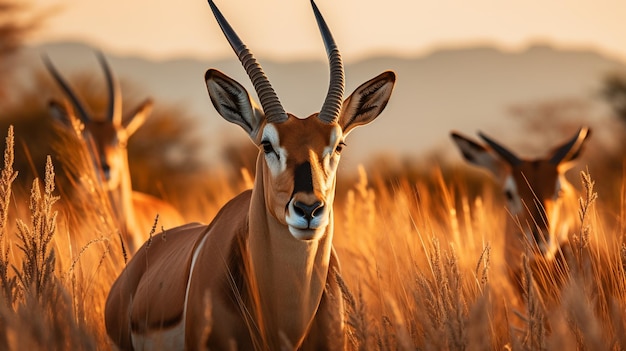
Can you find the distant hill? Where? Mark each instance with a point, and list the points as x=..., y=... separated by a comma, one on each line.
x=463, y=89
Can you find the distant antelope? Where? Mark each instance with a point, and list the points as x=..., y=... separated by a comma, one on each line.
x=539, y=198
x=261, y=275
x=106, y=138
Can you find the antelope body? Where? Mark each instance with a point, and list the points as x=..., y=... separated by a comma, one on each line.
x=540, y=200
x=261, y=275
x=106, y=138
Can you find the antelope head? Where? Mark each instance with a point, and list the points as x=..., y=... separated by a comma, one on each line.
x=298, y=157
x=106, y=135
x=535, y=189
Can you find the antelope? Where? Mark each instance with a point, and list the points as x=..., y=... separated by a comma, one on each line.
x=262, y=274
x=538, y=196
x=106, y=138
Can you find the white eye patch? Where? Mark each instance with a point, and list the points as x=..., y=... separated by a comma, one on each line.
x=276, y=160
x=332, y=141
x=329, y=155
x=512, y=196
x=558, y=188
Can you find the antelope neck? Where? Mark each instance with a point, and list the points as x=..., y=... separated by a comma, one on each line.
x=121, y=199
x=288, y=275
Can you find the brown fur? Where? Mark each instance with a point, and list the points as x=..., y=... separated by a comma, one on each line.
x=540, y=214
x=258, y=276
x=106, y=139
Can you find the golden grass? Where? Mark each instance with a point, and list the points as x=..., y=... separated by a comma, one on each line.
x=422, y=267
x=429, y=273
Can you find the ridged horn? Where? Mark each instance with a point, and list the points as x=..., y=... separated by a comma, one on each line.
x=334, y=99
x=501, y=150
x=114, y=105
x=572, y=145
x=76, y=103
x=270, y=103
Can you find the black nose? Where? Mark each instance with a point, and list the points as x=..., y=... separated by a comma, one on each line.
x=307, y=211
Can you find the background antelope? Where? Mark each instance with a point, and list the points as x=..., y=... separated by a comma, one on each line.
x=540, y=201
x=261, y=275
x=106, y=139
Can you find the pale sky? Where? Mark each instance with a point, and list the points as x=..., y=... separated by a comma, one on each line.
x=286, y=29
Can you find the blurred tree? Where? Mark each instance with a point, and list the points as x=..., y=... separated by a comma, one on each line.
x=12, y=31
x=547, y=122
x=614, y=92
x=165, y=154
x=240, y=155
x=15, y=25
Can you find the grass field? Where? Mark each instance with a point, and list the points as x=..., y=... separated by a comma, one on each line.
x=422, y=266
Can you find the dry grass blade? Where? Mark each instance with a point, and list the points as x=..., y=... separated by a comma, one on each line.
x=355, y=315
x=536, y=322
x=36, y=275
x=7, y=177
x=482, y=267
x=584, y=206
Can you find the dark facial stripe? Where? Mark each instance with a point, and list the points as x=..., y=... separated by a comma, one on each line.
x=303, y=178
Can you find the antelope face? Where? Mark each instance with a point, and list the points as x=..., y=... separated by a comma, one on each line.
x=105, y=137
x=534, y=189
x=301, y=157
x=107, y=147
x=534, y=196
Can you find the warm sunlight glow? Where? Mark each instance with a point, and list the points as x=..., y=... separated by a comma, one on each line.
x=283, y=30
x=155, y=192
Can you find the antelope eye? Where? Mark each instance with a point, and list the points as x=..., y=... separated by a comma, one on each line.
x=340, y=147
x=509, y=195
x=267, y=147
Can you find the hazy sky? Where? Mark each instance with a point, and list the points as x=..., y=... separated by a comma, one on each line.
x=286, y=29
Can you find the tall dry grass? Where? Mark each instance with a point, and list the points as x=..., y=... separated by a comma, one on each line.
x=422, y=266
x=426, y=271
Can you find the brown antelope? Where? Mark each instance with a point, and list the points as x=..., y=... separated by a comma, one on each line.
x=106, y=138
x=261, y=275
x=539, y=197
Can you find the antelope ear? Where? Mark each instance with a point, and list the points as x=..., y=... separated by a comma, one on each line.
x=564, y=155
x=367, y=101
x=232, y=101
x=63, y=113
x=137, y=118
x=480, y=155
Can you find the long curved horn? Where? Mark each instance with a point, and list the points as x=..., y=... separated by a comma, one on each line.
x=501, y=150
x=272, y=107
x=573, y=145
x=114, y=105
x=78, y=106
x=334, y=99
